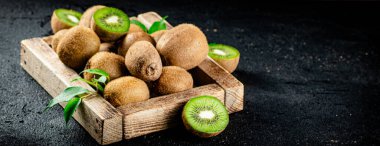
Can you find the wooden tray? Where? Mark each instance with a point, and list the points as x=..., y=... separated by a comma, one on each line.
x=107, y=124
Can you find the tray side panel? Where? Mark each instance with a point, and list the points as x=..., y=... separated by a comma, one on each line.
x=96, y=115
x=162, y=112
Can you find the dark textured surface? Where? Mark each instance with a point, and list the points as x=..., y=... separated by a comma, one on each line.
x=311, y=73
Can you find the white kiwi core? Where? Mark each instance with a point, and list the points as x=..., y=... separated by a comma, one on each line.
x=219, y=52
x=206, y=114
x=73, y=18
x=112, y=19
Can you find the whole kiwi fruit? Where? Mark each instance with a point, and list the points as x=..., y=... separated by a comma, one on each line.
x=135, y=28
x=126, y=90
x=57, y=37
x=107, y=47
x=77, y=46
x=205, y=116
x=225, y=55
x=64, y=19
x=143, y=61
x=87, y=15
x=173, y=79
x=157, y=35
x=110, y=24
x=185, y=46
x=132, y=38
x=111, y=63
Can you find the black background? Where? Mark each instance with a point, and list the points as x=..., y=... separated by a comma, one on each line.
x=310, y=70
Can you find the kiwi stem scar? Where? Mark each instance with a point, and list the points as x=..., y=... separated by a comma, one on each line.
x=112, y=19
x=73, y=18
x=207, y=114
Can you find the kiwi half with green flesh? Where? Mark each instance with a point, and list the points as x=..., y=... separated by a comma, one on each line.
x=87, y=15
x=205, y=116
x=157, y=35
x=57, y=37
x=111, y=63
x=225, y=55
x=131, y=38
x=143, y=61
x=64, y=19
x=77, y=46
x=173, y=79
x=184, y=45
x=126, y=90
x=110, y=23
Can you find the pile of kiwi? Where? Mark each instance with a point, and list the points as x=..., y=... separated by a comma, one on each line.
x=140, y=64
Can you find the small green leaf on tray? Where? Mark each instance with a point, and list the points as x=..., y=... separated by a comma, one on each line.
x=70, y=108
x=66, y=95
x=158, y=25
x=97, y=72
x=102, y=79
x=138, y=23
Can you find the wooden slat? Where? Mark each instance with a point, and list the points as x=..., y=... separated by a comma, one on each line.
x=162, y=112
x=96, y=115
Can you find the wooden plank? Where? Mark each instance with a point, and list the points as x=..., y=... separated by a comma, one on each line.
x=96, y=115
x=234, y=88
x=162, y=112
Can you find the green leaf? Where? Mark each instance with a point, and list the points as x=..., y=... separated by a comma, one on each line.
x=97, y=72
x=66, y=95
x=138, y=23
x=158, y=25
x=70, y=108
x=102, y=79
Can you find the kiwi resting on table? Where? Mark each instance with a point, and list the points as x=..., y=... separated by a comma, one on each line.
x=77, y=46
x=132, y=38
x=125, y=90
x=185, y=46
x=224, y=55
x=64, y=19
x=110, y=23
x=57, y=37
x=111, y=63
x=205, y=116
x=173, y=79
x=87, y=15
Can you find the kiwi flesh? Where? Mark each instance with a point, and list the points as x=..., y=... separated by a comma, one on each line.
x=87, y=15
x=111, y=63
x=110, y=23
x=205, y=116
x=126, y=90
x=173, y=79
x=77, y=46
x=225, y=55
x=143, y=61
x=57, y=37
x=64, y=19
x=157, y=35
x=132, y=38
x=184, y=45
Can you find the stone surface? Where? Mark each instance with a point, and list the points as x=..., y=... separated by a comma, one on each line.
x=311, y=73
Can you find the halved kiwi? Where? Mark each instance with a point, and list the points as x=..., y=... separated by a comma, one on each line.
x=64, y=19
x=110, y=23
x=225, y=55
x=205, y=116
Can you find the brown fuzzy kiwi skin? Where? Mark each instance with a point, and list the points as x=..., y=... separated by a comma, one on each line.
x=132, y=38
x=111, y=63
x=229, y=64
x=105, y=35
x=157, y=35
x=56, y=24
x=126, y=90
x=77, y=46
x=107, y=47
x=185, y=46
x=87, y=15
x=143, y=61
x=173, y=79
x=200, y=134
x=57, y=37
x=135, y=28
